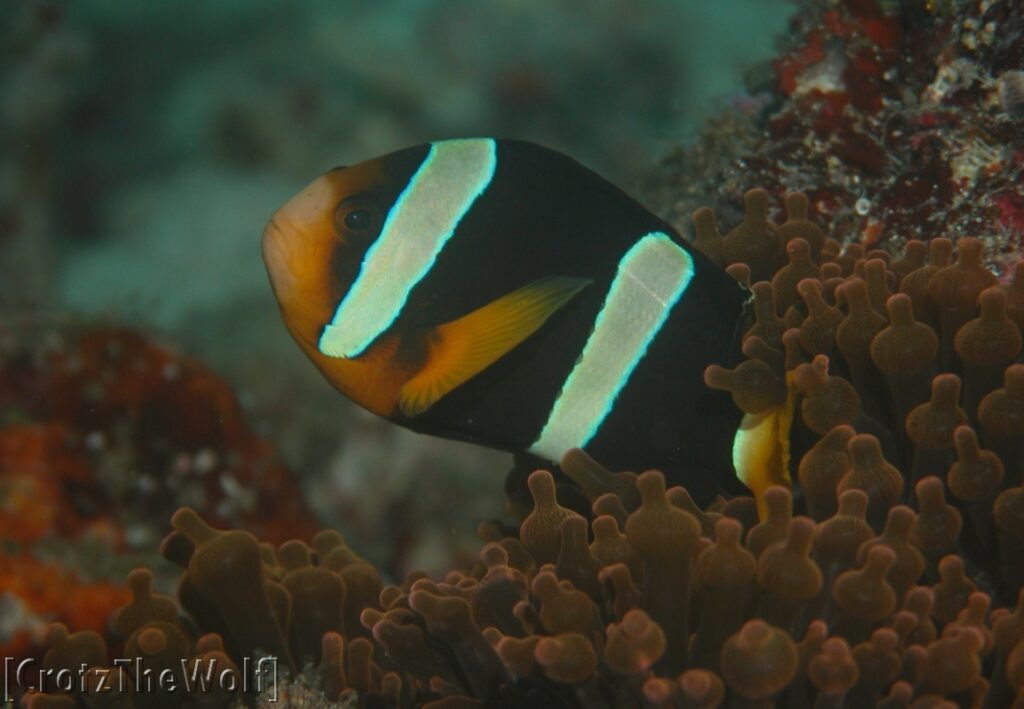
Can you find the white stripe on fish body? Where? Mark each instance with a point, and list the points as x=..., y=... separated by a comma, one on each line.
x=422, y=220
x=651, y=278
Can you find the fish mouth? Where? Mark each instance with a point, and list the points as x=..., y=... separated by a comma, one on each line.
x=275, y=255
x=271, y=231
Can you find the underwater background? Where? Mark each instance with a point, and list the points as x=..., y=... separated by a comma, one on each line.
x=857, y=163
x=146, y=144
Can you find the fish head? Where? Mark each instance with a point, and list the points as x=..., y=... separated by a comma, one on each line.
x=314, y=245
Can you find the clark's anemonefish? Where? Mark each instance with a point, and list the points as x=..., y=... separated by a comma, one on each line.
x=499, y=292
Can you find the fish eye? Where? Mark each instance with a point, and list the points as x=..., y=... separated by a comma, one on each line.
x=355, y=217
x=358, y=219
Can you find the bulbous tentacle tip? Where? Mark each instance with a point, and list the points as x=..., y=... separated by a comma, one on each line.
x=833, y=671
x=568, y=658
x=838, y=438
x=865, y=450
x=794, y=355
x=992, y=302
x=152, y=641
x=759, y=660
x=969, y=250
x=55, y=633
x=940, y=252
x=740, y=272
x=294, y=554
x=853, y=503
x=494, y=556
x=140, y=582
x=796, y=204
x=1008, y=511
x=798, y=251
x=945, y=390
x=755, y=386
x=915, y=254
x=810, y=289
x=755, y=204
x=880, y=560
x=702, y=688
x=899, y=522
x=186, y=521
x=900, y=309
x=813, y=377
x=651, y=486
x=728, y=532
x=634, y=644
x=705, y=222
x=542, y=488
x=708, y=239
x=764, y=296
x=800, y=535
x=718, y=377
x=1014, y=381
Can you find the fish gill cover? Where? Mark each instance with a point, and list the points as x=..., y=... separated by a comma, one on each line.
x=892, y=135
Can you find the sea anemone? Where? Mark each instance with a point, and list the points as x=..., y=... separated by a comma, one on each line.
x=892, y=577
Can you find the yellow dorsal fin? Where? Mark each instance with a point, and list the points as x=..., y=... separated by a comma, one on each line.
x=461, y=349
x=760, y=451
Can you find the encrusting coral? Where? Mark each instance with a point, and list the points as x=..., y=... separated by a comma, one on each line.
x=891, y=575
x=88, y=408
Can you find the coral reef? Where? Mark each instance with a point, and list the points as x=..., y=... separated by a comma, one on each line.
x=103, y=433
x=898, y=121
x=107, y=425
x=34, y=593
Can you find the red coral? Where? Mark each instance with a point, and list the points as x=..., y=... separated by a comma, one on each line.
x=1011, y=210
x=176, y=425
x=790, y=67
x=45, y=483
x=49, y=593
x=894, y=111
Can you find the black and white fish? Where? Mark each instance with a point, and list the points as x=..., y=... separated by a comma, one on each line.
x=499, y=292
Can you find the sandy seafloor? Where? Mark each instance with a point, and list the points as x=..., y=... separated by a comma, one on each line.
x=146, y=143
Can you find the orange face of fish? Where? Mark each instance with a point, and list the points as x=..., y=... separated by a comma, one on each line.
x=309, y=245
x=312, y=248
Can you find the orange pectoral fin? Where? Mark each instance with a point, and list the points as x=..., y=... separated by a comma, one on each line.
x=760, y=451
x=463, y=348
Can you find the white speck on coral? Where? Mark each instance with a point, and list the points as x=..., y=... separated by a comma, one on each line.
x=238, y=498
x=95, y=441
x=205, y=461
x=949, y=79
x=825, y=76
x=137, y=536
